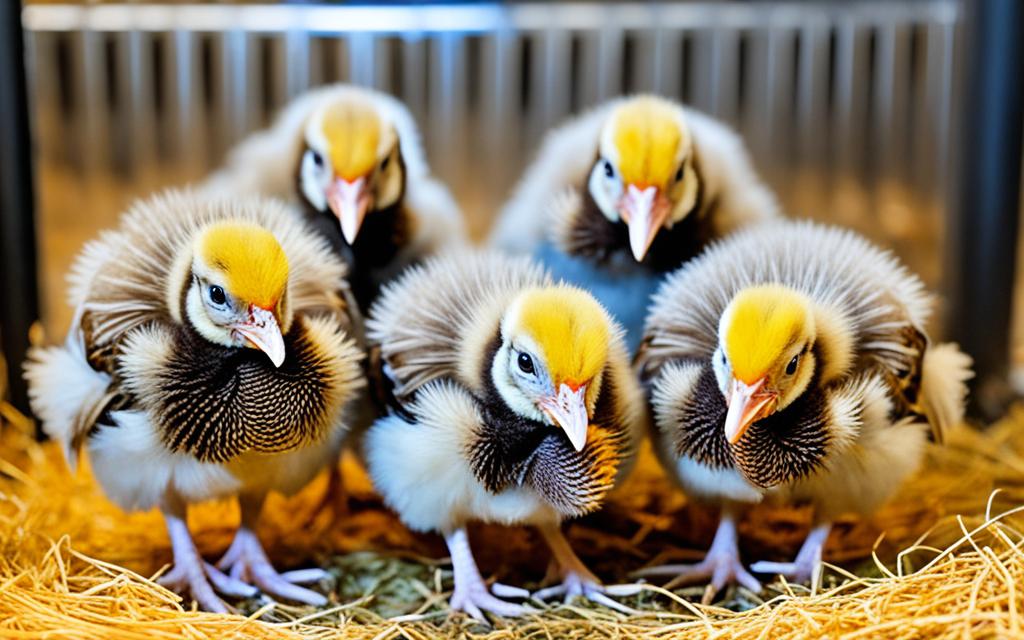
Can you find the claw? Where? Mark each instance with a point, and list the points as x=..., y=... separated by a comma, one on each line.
x=577, y=580
x=720, y=566
x=508, y=591
x=191, y=576
x=246, y=561
x=471, y=594
x=806, y=567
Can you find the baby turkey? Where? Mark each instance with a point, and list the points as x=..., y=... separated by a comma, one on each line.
x=789, y=362
x=352, y=158
x=629, y=191
x=513, y=402
x=209, y=357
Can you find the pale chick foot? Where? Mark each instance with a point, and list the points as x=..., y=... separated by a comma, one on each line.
x=577, y=580
x=721, y=566
x=191, y=576
x=471, y=594
x=246, y=561
x=806, y=567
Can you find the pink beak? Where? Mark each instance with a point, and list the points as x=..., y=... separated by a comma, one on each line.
x=569, y=410
x=263, y=332
x=747, y=405
x=645, y=211
x=349, y=202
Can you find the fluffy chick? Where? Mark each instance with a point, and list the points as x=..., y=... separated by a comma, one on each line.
x=790, y=362
x=629, y=191
x=352, y=158
x=512, y=402
x=209, y=357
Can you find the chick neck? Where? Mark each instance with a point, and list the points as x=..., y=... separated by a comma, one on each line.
x=593, y=235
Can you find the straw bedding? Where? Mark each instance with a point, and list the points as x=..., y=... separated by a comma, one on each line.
x=943, y=559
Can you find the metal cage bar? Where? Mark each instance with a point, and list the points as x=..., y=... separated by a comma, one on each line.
x=18, y=276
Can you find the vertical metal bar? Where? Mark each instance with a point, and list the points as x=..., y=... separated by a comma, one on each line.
x=609, y=62
x=447, y=98
x=414, y=74
x=556, y=45
x=316, y=62
x=278, y=90
x=900, y=101
x=884, y=79
x=668, y=62
x=361, y=61
x=940, y=98
x=237, y=76
x=43, y=91
x=844, y=124
x=296, y=44
x=382, y=63
x=501, y=117
x=705, y=69
x=19, y=280
x=725, y=45
x=644, y=67
x=781, y=42
x=184, y=113
x=987, y=216
x=812, y=94
x=90, y=108
x=757, y=126
x=134, y=67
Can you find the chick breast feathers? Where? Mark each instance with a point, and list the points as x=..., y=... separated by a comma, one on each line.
x=450, y=451
x=161, y=409
x=859, y=430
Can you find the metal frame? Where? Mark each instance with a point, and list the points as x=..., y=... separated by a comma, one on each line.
x=986, y=174
x=19, y=284
x=984, y=231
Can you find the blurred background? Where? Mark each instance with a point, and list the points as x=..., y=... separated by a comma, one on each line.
x=900, y=119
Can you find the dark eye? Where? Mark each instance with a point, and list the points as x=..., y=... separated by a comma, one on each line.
x=608, y=171
x=791, y=367
x=387, y=161
x=525, y=363
x=217, y=295
x=318, y=159
x=723, y=358
x=679, y=174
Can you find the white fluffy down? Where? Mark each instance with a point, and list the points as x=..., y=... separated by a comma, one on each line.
x=63, y=390
x=423, y=473
x=136, y=470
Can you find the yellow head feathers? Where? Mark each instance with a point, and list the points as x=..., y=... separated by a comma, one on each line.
x=571, y=329
x=760, y=325
x=252, y=262
x=353, y=133
x=650, y=139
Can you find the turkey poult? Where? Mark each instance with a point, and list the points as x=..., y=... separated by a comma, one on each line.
x=789, y=362
x=352, y=158
x=629, y=191
x=209, y=357
x=512, y=401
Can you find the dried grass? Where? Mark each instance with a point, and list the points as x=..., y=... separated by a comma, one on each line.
x=944, y=559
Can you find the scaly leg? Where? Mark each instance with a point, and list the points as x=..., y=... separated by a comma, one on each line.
x=807, y=565
x=721, y=564
x=577, y=580
x=190, y=575
x=471, y=594
x=246, y=560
